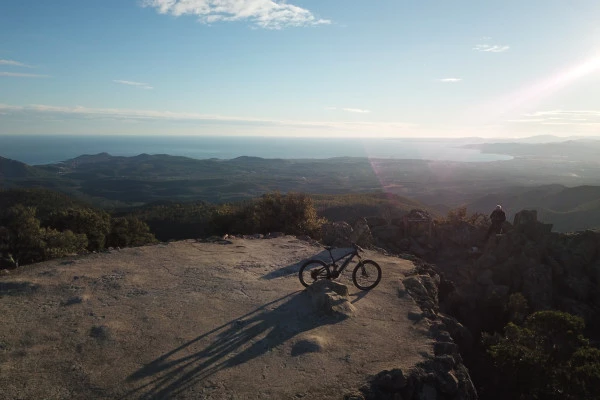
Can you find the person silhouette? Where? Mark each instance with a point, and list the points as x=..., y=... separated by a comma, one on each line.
x=498, y=217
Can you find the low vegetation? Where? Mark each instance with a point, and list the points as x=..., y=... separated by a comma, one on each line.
x=37, y=225
x=292, y=213
x=547, y=357
x=543, y=355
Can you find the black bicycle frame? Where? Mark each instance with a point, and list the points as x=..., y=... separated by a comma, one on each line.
x=350, y=256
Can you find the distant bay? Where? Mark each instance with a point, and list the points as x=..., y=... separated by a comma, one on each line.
x=47, y=149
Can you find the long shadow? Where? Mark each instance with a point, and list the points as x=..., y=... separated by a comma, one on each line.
x=358, y=296
x=294, y=268
x=17, y=288
x=233, y=343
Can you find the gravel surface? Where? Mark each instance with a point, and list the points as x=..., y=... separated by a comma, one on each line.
x=191, y=320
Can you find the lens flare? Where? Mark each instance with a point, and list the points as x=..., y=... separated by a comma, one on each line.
x=532, y=94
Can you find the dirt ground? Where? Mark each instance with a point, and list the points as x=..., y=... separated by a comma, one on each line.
x=190, y=320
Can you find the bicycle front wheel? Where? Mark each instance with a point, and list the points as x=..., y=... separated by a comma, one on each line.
x=366, y=275
x=313, y=270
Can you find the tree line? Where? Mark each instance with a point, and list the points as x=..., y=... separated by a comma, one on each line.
x=38, y=225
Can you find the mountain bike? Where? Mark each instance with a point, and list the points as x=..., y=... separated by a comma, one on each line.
x=366, y=274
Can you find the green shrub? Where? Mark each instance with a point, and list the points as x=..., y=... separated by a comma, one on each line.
x=548, y=358
x=129, y=231
x=27, y=242
x=94, y=224
x=517, y=308
x=293, y=213
x=24, y=239
x=60, y=244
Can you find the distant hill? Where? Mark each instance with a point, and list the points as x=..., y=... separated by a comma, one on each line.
x=348, y=207
x=574, y=150
x=569, y=209
x=11, y=169
x=115, y=182
x=148, y=178
x=46, y=201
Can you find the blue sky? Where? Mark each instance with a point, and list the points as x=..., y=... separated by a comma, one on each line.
x=340, y=68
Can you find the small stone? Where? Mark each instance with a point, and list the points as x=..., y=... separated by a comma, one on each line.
x=390, y=381
x=353, y=396
x=415, y=316
x=73, y=300
x=441, y=348
x=100, y=332
x=446, y=361
x=310, y=345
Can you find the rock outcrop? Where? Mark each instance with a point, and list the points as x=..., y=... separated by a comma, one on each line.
x=342, y=234
x=215, y=319
x=551, y=270
x=442, y=377
x=331, y=298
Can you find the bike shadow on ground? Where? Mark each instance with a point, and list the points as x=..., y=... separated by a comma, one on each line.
x=293, y=269
x=358, y=296
x=233, y=343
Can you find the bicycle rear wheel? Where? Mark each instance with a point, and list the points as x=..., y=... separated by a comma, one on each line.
x=313, y=270
x=366, y=275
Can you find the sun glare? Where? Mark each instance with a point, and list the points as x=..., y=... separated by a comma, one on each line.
x=532, y=94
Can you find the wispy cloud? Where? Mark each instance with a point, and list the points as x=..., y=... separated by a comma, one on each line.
x=269, y=14
x=352, y=110
x=151, y=115
x=13, y=63
x=450, y=80
x=22, y=75
x=140, y=85
x=561, y=117
x=491, y=48
x=564, y=113
x=356, y=110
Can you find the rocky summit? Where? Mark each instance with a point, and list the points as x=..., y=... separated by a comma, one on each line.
x=223, y=320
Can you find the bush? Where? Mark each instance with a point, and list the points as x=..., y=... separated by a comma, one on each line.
x=94, y=224
x=60, y=244
x=129, y=231
x=548, y=358
x=517, y=308
x=27, y=242
x=293, y=213
x=459, y=214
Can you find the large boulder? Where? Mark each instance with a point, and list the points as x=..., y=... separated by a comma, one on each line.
x=337, y=234
x=424, y=290
x=526, y=222
x=361, y=234
x=331, y=298
x=458, y=234
x=429, y=380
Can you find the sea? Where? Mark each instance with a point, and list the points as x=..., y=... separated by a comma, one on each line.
x=49, y=149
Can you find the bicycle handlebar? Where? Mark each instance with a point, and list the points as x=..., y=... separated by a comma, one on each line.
x=354, y=245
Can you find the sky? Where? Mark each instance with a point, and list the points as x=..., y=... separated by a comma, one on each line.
x=306, y=68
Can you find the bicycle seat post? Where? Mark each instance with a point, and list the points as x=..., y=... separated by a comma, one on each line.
x=331, y=255
x=328, y=248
